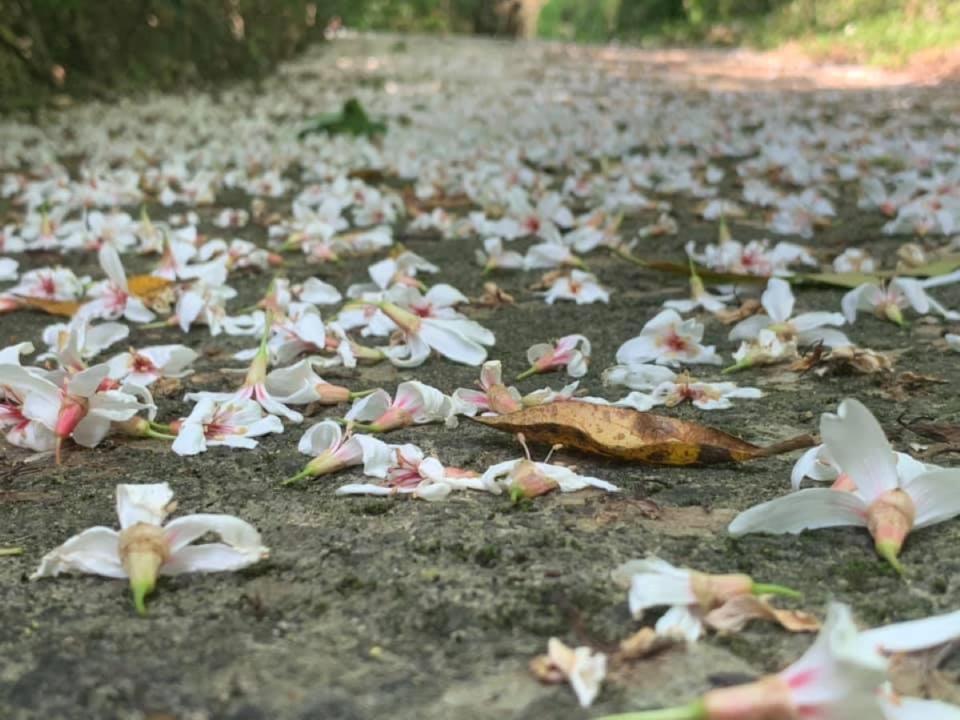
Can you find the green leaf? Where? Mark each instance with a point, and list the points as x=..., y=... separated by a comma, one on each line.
x=351, y=120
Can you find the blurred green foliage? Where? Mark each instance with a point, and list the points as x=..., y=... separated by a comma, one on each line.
x=94, y=47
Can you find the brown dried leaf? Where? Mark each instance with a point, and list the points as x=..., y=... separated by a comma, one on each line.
x=626, y=434
x=733, y=615
x=643, y=643
x=166, y=387
x=60, y=308
x=493, y=296
x=859, y=360
x=750, y=306
x=942, y=432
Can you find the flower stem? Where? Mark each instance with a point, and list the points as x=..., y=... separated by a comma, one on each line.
x=361, y=393
x=743, y=365
x=151, y=433
x=159, y=427
x=696, y=710
x=11, y=551
x=299, y=477
x=769, y=589
x=527, y=373
x=889, y=552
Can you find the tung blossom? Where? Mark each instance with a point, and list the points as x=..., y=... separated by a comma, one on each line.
x=147, y=365
x=579, y=286
x=890, y=300
x=889, y=505
x=332, y=451
x=571, y=352
x=146, y=546
x=457, y=339
x=492, y=397
x=233, y=423
x=690, y=595
x=414, y=404
x=112, y=298
x=494, y=257
x=667, y=339
x=806, y=329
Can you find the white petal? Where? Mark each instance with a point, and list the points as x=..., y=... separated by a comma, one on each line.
x=95, y=551
x=799, y=511
x=860, y=448
x=914, y=635
x=440, y=336
x=143, y=503
x=323, y=436
x=232, y=530
x=681, y=622
x=190, y=440
x=319, y=293
x=936, y=496
x=909, y=708
x=211, y=557
x=778, y=300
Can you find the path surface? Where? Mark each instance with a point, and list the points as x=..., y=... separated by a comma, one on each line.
x=371, y=608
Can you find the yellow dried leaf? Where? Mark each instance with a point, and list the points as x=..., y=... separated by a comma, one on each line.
x=61, y=308
x=627, y=434
x=734, y=614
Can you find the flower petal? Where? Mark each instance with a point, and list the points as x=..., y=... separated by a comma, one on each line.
x=860, y=448
x=148, y=503
x=799, y=511
x=95, y=551
x=936, y=496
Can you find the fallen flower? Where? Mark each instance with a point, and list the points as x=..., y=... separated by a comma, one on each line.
x=414, y=404
x=693, y=596
x=583, y=668
x=838, y=677
x=146, y=547
x=233, y=423
x=806, y=329
x=579, y=286
x=494, y=257
x=889, y=506
x=332, y=450
x=493, y=395
x=299, y=385
x=889, y=301
x=667, y=339
x=147, y=365
x=112, y=297
x=571, y=352
x=524, y=478
x=704, y=395
x=766, y=349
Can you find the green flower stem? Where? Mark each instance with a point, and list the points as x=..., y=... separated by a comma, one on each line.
x=11, y=551
x=151, y=433
x=361, y=393
x=159, y=427
x=696, y=710
x=527, y=373
x=299, y=477
x=156, y=325
x=768, y=589
x=742, y=365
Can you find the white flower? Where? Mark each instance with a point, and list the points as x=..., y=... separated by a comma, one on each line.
x=854, y=260
x=571, y=352
x=704, y=395
x=766, y=349
x=583, y=668
x=887, y=504
x=800, y=214
x=206, y=304
x=699, y=297
x=547, y=255
x=579, y=286
x=526, y=478
x=953, y=341
x=817, y=464
x=146, y=547
x=316, y=291
x=667, y=339
x=690, y=595
x=71, y=345
x=147, y=365
x=806, y=328
x=493, y=256
x=458, y=339
x=57, y=283
x=890, y=300
x=332, y=451
x=492, y=397
x=299, y=385
x=414, y=404
x=638, y=376
x=112, y=298
x=233, y=423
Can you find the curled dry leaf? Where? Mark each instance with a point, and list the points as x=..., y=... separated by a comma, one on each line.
x=749, y=307
x=941, y=432
x=626, y=434
x=847, y=359
x=734, y=614
x=493, y=296
x=644, y=643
